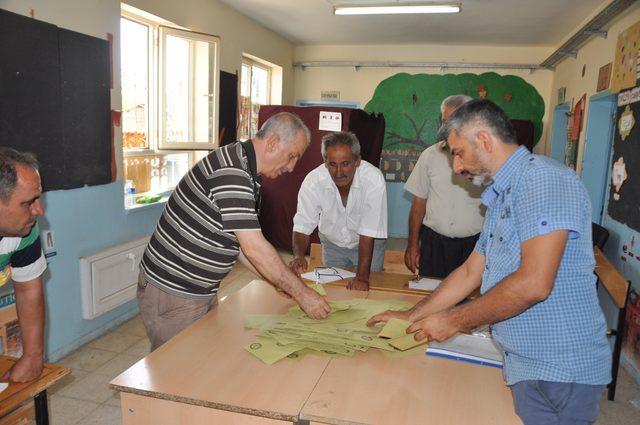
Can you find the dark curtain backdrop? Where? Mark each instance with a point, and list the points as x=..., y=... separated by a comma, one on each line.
x=280, y=195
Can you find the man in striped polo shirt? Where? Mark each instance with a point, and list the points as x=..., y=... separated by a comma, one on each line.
x=209, y=221
x=21, y=258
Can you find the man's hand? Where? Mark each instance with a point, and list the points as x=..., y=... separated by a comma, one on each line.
x=436, y=327
x=298, y=265
x=25, y=369
x=412, y=257
x=385, y=316
x=313, y=304
x=358, y=284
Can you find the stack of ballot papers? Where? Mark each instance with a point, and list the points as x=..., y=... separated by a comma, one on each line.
x=478, y=349
x=424, y=283
x=343, y=333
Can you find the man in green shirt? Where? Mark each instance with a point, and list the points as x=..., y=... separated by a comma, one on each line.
x=21, y=257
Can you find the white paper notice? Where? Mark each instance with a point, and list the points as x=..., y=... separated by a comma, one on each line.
x=618, y=173
x=330, y=121
x=425, y=284
x=626, y=122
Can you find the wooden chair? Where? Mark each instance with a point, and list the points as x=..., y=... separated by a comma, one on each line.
x=618, y=289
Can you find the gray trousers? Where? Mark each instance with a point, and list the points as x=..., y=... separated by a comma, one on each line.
x=164, y=315
x=345, y=258
x=556, y=403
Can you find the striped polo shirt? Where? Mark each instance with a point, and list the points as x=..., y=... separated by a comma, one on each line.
x=21, y=259
x=194, y=245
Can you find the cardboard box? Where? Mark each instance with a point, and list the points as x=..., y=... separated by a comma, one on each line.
x=10, y=335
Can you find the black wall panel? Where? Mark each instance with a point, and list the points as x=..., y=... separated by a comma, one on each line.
x=54, y=100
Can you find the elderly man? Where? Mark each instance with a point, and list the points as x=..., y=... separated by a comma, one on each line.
x=346, y=199
x=534, y=265
x=446, y=212
x=21, y=258
x=210, y=220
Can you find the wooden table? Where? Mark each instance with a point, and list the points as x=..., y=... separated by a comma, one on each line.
x=17, y=394
x=203, y=375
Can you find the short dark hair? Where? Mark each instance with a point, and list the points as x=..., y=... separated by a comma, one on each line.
x=340, y=138
x=9, y=158
x=480, y=112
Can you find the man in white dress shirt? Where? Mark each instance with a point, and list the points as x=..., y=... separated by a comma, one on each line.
x=346, y=199
x=446, y=214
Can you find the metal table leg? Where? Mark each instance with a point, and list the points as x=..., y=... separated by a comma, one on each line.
x=42, y=410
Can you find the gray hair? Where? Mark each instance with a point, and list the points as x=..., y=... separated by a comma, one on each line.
x=286, y=125
x=341, y=138
x=476, y=115
x=454, y=101
x=9, y=158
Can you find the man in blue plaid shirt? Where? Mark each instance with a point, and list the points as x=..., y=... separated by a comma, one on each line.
x=534, y=265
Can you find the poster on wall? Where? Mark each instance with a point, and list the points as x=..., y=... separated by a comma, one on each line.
x=604, y=77
x=411, y=108
x=624, y=194
x=625, y=65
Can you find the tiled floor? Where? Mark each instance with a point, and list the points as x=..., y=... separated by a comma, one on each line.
x=84, y=397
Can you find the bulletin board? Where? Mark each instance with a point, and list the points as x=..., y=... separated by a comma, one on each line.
x=55, y=100
x=625, y=65
x=624, y=195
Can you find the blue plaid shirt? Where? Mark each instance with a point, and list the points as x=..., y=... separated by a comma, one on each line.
x=563, y=338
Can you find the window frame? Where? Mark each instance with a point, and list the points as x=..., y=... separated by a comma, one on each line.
x=250, y=63
x=154, y=113
x=162, y=32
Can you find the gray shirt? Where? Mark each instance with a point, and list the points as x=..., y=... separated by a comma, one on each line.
x=454, y=208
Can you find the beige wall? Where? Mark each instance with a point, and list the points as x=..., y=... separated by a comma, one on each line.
x=238, y=34
x=596, y=53
x=359, y=85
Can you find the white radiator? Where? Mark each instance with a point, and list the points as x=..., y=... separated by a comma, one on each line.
x=109, y=277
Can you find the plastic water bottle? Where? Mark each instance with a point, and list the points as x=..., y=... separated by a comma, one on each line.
x=129, y=194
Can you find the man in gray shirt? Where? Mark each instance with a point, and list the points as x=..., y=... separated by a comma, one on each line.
x=446, y=213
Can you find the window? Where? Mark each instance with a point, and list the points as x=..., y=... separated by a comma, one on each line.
x=255, y=91
x=169, y=80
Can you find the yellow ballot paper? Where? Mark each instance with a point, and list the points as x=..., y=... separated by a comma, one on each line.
x=343, y=333
x=394, y=328
x=270, y=351
x=406, y=341
x=318, y=288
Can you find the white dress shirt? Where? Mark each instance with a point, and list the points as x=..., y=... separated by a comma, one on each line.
x=320, y=205
x=454, y=208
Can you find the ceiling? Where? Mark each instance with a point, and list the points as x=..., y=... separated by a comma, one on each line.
x=483, y=22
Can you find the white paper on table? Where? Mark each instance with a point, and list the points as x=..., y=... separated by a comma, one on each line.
x=330, y=121
x=425, y=284
x=471, y=348
x=328, y=275
x=3, y=386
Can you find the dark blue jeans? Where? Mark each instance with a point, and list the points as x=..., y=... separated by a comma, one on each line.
x=556, y=403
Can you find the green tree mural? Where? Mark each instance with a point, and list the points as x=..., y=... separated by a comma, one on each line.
x=411, y=103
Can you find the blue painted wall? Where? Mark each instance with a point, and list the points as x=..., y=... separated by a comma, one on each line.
x=85, y=220
x=398, y=207
x=597, y=150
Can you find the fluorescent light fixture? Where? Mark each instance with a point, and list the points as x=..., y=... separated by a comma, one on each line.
x=394, y=9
